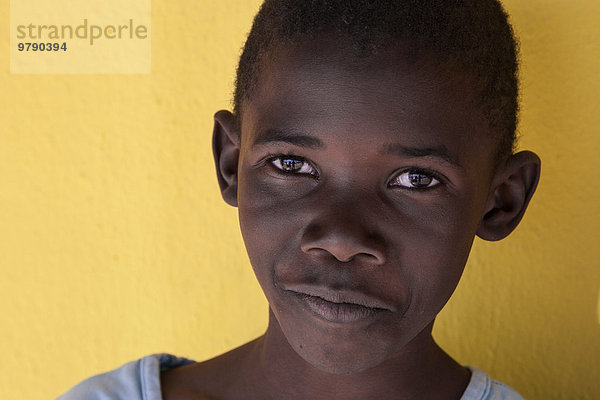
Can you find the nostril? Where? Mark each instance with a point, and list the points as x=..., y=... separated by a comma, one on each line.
x=361, y=257
x=370, y=258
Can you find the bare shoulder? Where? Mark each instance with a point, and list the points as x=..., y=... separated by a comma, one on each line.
x=218, y=378
x=181, y=384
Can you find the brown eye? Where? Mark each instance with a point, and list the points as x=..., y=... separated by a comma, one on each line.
x=415, y=180
x=420, y=180
x=293, y=165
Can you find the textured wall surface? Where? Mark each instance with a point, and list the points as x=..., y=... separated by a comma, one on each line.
x=114, y=242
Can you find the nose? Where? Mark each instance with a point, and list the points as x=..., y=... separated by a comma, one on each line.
x=346, y=233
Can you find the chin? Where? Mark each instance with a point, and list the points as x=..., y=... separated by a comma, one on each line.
x=342, y=361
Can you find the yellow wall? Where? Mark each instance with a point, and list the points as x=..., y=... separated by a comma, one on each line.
x=114, y=242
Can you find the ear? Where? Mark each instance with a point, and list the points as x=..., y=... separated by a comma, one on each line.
x=226, y=151
x=512, y=188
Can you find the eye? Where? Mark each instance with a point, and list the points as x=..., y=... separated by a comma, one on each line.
x=415, y=179
x=293, y=165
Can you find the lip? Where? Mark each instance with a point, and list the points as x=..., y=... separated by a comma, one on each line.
x=339, y=305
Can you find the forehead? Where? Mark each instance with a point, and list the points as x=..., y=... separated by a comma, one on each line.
x=320, y=88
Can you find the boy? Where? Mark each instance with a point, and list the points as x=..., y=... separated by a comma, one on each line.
x=370, y=142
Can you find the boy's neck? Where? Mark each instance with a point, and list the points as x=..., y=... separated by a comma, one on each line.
x=420, y=370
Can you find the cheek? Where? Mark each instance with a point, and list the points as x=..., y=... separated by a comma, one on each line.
x=437, y=248
x=270, y=220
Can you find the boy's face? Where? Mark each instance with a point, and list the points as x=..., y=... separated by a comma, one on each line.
x=361, y=185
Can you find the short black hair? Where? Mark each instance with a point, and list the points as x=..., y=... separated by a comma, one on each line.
x=474, y=33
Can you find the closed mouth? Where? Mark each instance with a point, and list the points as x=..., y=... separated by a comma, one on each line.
x=340, y=306
x=338, y=312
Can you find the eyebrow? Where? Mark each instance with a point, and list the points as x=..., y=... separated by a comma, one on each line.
x=300, y=139
x=288, y=136
x=433, y=151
